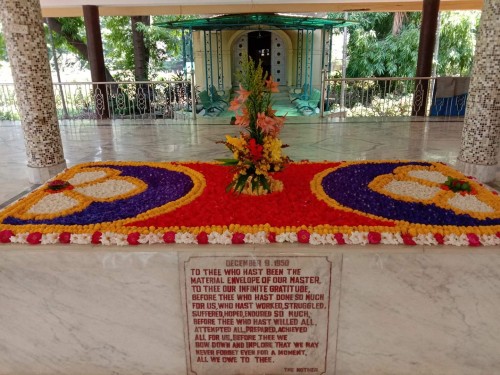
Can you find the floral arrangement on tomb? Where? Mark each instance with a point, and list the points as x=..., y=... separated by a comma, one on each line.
x=327, y=203
x=257, y=151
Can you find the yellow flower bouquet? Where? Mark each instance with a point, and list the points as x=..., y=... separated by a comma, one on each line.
x=257, y=151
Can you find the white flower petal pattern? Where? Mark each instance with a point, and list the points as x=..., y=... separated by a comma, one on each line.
x=411, y=189
x=107, y=189
x=83, y=177
x=469, y=203
x=432, y=176
x=53, y=203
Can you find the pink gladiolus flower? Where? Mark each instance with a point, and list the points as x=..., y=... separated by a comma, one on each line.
x=242, y=121
x=234, y=105
x=242, y=94
x=279, y=122
x=271, y=85
x=266, y=123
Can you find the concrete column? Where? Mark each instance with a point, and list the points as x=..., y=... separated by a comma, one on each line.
x=28, y=56
x=428, y=30
x=481, y=132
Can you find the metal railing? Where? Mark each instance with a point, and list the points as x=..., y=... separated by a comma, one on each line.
x=350, y=97
x=122, y=100
x=387, y=97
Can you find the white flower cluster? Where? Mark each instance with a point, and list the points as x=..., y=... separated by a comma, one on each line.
x=225, y=238
x=412, y=189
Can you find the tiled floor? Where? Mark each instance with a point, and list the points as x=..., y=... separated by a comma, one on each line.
x=309, y=138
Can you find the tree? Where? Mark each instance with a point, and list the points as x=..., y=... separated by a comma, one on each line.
x=71, y=33
x=141, y=52
x=457, y=42
x=383, y=44
x=386, y=44
x=154, y=45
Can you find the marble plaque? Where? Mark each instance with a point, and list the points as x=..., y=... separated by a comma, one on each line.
x=256, y=314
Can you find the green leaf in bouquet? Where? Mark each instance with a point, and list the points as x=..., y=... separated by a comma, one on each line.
x=227, y=161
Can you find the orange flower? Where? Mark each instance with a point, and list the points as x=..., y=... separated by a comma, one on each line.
x=234, y=105
x=280, y=122
x=271, y=85
x=266, y=123
x=243, y=120
x=242, y=94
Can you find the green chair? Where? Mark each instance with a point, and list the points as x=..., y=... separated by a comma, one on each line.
x=303, y=95
x=209, y=105
x=216, y=98
x=311, y=104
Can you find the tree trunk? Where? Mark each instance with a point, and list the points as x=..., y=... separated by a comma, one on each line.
x=397, y=23
x=75, y=41
x=141, y=52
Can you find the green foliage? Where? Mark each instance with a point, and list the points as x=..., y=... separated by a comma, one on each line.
x=457, y=42
x=163, y=44
x=74, y=28
x=118, y=48
x=457, y=185
x=383, y=45
x=375, y=51
x=3, y=48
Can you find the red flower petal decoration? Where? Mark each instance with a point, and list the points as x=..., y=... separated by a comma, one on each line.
x=65, y=237
x=133, y=238
x=169, y=237
x=34, y=238
x=202, y=238
x=303, y=236
x=5, y=236
x=439, y=238
x=238, y=238
x=473, y=239
x=271, y=236
x=96, y=238
x=374, y=238
x=408, y=239
x=339, y=237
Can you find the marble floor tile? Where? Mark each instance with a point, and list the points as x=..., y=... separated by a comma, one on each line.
x=165, y=140
x=411, y=314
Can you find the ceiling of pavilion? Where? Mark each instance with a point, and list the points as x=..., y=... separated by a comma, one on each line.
x=256, y=20
x=73, y=8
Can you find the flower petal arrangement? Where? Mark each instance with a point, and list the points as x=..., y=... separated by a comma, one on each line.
x=327, y=203
x=257, y=151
